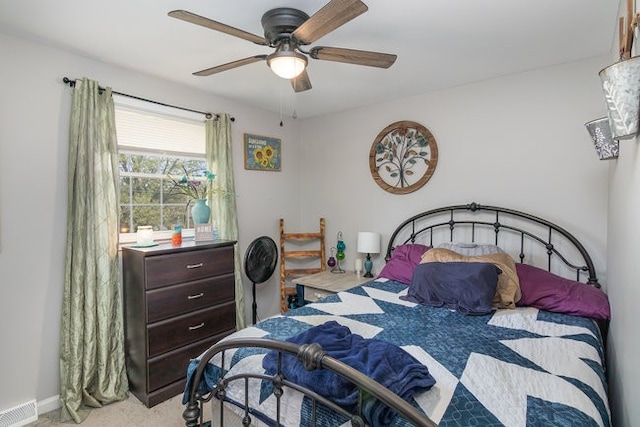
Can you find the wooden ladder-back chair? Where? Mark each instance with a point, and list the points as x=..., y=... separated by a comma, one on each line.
x=302, y=251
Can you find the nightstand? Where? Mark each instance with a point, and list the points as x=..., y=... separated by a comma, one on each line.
x=317, y=286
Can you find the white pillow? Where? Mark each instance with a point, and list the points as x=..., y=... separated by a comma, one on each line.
x=471, y=249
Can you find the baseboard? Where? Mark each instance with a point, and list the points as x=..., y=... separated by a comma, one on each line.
x=49, y=404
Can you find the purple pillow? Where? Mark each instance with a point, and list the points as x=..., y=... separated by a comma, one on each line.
x=547, y=291
x=467, y=287
x=404, y=260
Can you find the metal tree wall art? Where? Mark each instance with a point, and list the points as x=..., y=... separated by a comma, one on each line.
x=403, y=157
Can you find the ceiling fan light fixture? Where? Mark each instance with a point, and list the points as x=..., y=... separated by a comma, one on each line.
x=287, y=63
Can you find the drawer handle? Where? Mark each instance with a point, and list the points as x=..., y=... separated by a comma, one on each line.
x=200, y=295
x=193, y=328
x=195, y=265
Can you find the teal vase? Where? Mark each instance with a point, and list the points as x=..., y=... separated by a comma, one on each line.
x=200, y=212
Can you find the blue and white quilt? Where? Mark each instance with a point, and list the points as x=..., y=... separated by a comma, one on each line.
x=521, y=367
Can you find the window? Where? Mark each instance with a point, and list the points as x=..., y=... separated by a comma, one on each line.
x=154, y=143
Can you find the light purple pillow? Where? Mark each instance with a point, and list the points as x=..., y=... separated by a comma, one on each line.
x=547, y=291
x=404, y=260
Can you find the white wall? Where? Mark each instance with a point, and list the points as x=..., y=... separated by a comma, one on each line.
x=517, y=141
x=34, y=116
x=623, y=254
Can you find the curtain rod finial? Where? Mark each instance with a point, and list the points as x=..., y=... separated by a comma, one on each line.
x=233, y=119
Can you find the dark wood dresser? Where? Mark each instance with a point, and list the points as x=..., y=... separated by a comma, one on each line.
x=178, y=301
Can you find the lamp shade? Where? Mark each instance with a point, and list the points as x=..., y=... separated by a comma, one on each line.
x=286, y=62
x=287, y=67
x=368, y=242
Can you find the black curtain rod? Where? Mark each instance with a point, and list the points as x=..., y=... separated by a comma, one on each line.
x=72, y=83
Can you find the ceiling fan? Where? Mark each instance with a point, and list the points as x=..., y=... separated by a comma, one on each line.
x=288, y=30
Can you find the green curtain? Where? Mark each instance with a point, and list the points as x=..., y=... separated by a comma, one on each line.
x=92, y=362
x=219, y=158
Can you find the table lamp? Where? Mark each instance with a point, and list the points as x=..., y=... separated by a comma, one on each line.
x=368, y=243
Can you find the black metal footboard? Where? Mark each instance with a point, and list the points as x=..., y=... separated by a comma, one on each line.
x=313, y=357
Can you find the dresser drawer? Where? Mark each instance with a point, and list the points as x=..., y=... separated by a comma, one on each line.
x=172, y=366
x=169, y=269
x=173, y=333
x=166, y=302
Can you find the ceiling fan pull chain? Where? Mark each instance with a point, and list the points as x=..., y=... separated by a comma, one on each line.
x=281, y=100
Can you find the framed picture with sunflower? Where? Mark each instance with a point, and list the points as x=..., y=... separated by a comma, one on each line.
x=262, y=153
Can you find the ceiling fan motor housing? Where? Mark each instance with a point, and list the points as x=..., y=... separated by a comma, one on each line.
x=279, y=23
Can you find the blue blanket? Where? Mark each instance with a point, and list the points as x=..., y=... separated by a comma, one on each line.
x=210, y=376
x=380, y=360
x=503, y=368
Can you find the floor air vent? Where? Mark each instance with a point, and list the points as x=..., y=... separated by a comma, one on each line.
x=20, y=415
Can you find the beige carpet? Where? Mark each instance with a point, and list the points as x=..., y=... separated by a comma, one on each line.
x=130, y=412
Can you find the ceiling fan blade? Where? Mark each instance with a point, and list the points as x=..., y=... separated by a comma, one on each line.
x=331, y=16
x=353, y=56
x=301, y=83
x=230, y=65
x=218, y=26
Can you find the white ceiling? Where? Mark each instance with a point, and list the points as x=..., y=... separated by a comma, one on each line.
x=439, y=43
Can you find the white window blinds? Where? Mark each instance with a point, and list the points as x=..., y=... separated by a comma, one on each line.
x=159, y=132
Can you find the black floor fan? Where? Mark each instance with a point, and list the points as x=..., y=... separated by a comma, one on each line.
x=259, y=263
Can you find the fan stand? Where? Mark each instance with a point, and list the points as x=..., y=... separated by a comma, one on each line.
x=259, y=264
x=254, y=305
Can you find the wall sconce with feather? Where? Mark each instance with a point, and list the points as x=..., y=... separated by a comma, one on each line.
x=621, y=82
x=600, y=131
x=621, y=86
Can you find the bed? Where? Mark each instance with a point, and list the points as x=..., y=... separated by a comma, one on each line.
x=482, y=315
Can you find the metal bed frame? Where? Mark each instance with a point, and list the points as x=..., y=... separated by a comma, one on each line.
x=508, y=220
x=312, y=357
x=423, y=227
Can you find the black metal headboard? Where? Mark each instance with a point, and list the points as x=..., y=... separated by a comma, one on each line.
x=437, y=225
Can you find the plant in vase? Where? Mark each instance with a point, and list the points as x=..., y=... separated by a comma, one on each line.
x=197, y=188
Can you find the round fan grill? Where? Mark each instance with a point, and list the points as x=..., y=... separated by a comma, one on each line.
x=259, y=264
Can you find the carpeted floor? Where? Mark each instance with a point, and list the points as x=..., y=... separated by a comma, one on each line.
x=130, y=412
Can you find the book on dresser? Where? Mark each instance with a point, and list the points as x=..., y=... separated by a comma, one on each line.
x=178, y=301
